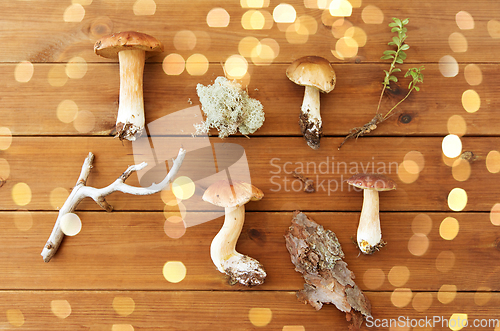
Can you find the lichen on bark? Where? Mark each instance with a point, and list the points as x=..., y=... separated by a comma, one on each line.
x=317, y=255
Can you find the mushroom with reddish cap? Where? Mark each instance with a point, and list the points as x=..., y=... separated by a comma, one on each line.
x=233, y=197
x=316, y=74
x=131, y=49
x=369, y=236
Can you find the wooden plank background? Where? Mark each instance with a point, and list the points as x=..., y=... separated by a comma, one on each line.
x=110, y=276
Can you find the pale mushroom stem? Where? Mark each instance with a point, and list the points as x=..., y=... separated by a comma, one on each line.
x=130, y=121
x=369, y=232
x=240, y=268
x=310, y=118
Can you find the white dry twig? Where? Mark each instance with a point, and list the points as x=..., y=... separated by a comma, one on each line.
x=81, y=191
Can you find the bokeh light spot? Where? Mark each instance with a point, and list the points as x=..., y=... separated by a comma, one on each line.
x=173, y=64
x=417, y=162
x=473, y=74
x=447, y=293
x=260, y=316
x=57, y=76
x=24, y=71
x=123, y=306
x=346, y=47
x=168, y=197
x=458, y=42
x=185, y=40
x=461, y=170
x=67, y=111
x=197, y=65
x=457, y=321
x=340, y=28
x=494, y=29
x=457, y=199
x=23, y=220
x=82, y=2
x=284, y=13
x=340, y=8
x=471, y=101
x=372, y=15
x=60, y=308
x=5, y=138
x=293, y=328
x=179, y=209
x=456, y=125
x=122, y=327
x=421, y=224
x=495, y=214
x=464, y=20
x=218, y=18
x=373, y=278
x=58, y=197
x=422, y=301
x=492, y=161
x=236, y=67
x=21, y=194
x=15, y=317
x=71, y=225
x=144, y=7
x=254, y=3
x=445, y=261
x=418, y=244
x=401, y=297
x=74, y=13
x=306, y=24
x=358, y=34
x=449, y=228
x=451, y=146
x=174, y=227
x=482, y=296
x=405, y=176
x=448, y=66
x=399, y=275
x=84, y=121
x=296, y=34
x=174, y=271
x=247, y=45
x=76, y=67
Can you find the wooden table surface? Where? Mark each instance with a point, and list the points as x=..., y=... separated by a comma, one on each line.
x=134, y=269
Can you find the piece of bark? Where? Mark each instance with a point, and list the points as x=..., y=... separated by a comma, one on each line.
x=317, y=255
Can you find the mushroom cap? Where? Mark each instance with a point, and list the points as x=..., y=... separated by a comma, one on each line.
x=312, y=71
x=109, y=46
x=224, y=194
x=375, y=182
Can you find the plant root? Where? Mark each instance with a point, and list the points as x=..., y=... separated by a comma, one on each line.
x=363, y=130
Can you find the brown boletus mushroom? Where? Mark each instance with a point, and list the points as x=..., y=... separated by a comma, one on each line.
x=233, y=197
x=317, y=75
x=369, y=235
x=131, y=49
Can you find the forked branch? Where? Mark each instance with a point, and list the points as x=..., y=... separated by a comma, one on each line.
x=81, y=191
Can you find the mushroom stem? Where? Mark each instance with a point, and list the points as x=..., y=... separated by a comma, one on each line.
x=130, y=121
x=369, y=232
x=240, y=268
x=310, y=117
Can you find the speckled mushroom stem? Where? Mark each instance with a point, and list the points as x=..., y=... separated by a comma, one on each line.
x=240, y=268
x=369, y=234
x=311, y=124
x=130, y=121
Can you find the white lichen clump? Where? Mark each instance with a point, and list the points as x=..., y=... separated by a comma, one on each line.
x=228, y=109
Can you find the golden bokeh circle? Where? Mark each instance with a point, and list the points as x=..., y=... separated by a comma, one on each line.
x=260, y=317
x=445, y=261
x=461, y=170
x=457, y=199
x=456, y=125
x=5, y=138
x=373, y=278
x=398, y=275
x=197, y=65
x=449, y=228
x=123, y=306
x=421, y=224
x=447, y=293
x=422, y=301
x=173, y=64
x=492, y=161
x=174, y=271
x=21, y=194
x=60, y=308
x=418, y=244
x=401, y=297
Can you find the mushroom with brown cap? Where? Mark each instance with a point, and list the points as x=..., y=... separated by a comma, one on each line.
x=369, y=235
x=233, y=197
x=131, y=49
x=316, y=74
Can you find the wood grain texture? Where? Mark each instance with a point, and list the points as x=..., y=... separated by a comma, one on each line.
x=227, y=311
x=352, y=103
x=270, y=167
x=127, y=251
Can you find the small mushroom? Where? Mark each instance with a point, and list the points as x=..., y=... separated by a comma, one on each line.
x=131, y=49
x=233, y=197
x=316, y=74
x=369, y=236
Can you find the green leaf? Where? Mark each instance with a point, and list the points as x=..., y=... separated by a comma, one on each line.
x=387, y=57
x=399, y=61
x=393, y=78
x=405, y=47
x=389, y=52
x=402, y=55
x=396, y=40
x=393, y=25
x=406, y=21
x=396, y=70
x=417, y=88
